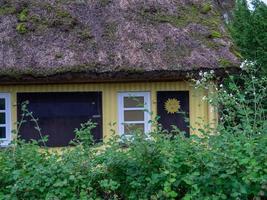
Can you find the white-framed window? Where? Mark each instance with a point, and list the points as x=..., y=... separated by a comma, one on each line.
x=134, y=112
x=5, y=119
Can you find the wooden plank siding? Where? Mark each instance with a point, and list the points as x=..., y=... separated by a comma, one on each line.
x=198, y=107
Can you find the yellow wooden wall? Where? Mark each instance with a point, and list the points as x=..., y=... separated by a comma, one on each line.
x=198, y=107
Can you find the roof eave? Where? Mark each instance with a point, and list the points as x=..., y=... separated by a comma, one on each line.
x=121, y=76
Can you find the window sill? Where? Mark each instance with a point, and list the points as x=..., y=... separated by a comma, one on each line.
x=4, y=143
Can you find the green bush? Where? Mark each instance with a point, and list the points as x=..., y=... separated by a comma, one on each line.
x=209, y=167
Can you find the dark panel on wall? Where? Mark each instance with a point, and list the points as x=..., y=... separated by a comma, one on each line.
x=173, y=108
x=59, y=114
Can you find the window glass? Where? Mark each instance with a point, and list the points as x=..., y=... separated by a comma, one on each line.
x=134, y=115
x=2, y=132
x=5, y=119
x=2, y=118
x=133, y=102
x=134, y=108
x=129, y=129
x=2, y=104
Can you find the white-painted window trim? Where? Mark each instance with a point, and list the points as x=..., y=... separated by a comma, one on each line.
x=6, y=141
x=146, y=108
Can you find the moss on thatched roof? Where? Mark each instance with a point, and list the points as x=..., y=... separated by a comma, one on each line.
x=44, y=38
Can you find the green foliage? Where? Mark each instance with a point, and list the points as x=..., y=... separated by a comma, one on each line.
x=243, y=103
x=216, y=34
x=177, y=21
x=104, y=3
x=225, y=63
x=206, y=8
x=22, y=18
x=208, y=167
x=62, y=18
x=23, y=15
x=84, y=34
x=28, y=114
x=248, y=31
x=21, y=28
x=240, y=100
x=185, y=15
x=83, y=135
x=6, y=9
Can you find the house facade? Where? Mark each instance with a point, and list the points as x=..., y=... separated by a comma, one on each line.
x=118, y=63
x=110, y=105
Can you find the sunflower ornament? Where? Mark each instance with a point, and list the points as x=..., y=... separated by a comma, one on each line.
x=172, y=106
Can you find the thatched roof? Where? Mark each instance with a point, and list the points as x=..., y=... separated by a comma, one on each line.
x=89, y=40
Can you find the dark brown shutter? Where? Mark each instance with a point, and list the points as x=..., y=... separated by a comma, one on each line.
x=168, y=103
x=59, y=114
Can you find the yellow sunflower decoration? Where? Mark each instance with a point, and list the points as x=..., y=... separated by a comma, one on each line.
x=172, y=106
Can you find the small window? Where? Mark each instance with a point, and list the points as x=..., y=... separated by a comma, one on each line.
x=134, y=112
x=5, y=119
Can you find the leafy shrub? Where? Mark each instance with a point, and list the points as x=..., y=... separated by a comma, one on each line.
x=208, y=167
x=240, y=100
x=83, y=135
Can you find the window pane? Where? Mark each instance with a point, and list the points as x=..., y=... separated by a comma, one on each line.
x=133, y=102
x=133, y=115
x=2, y=132
x=133, y=128
x=2, y=118
x=2, y=104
